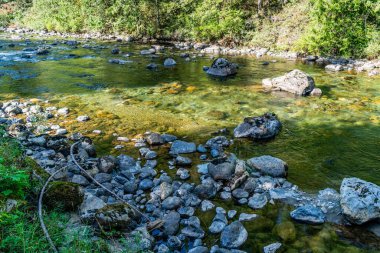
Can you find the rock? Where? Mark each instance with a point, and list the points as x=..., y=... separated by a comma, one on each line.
x=257, y=201
x=199, y=249
x=118, y=61
x=83, y=118
x=222, y=68
x=218, y=141
x=130, y=187
x=269, y=165
x=168, y=138
x=103, y=177
x=296, y=82
x=174, y=242
x=206, y=205
x=183, y=161
x=171, y=223
x=63, y=111
x=79, y=179
x=218, y=223
x=334, y=67
x=231, y=213
x=163, y=249
x=308, y=214
x=107, y=164
x=203, y=168
x=263, y=127
x=247, y=217
x=152, y=66
x=222, y=171
x=89, y=206
x=272, y=248
x=183, y=173
x=182, y=147
x=122, y=139
x=193, y=231
x=146, y=184
x=150, y=155
x=166, y=190
x=225, y=195
x=316, y=92
x=286, y=231
x=115, y=51
x=171, y=203
x=360, y=200
x=205, y=191
x=154, y=139
x=65, y=195
x=169, y=62
x=186, y=212
x=240, y=193
x=233, y=235
x=117, y=216
x=148, y=51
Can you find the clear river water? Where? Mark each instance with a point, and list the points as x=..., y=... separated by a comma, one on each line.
x=323, y=139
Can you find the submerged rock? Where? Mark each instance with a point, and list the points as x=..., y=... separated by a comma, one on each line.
x=360, y=200
x=296, y=82
x=222, y=68
x=272, y=248
x=308, y=214
x=233, y=235
x=169, y=62
x=263, y=127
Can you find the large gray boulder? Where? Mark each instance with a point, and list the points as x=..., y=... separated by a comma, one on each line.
x=262, y=127
x=360, y=200
x=269, y=165
x=296, y=82
x=222, y=68
x=233, y=235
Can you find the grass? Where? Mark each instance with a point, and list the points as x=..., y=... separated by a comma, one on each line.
x=20, y=229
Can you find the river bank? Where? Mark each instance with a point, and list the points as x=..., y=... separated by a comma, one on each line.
x=169, y=181
x=331, y=64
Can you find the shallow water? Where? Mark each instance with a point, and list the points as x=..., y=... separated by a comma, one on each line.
x=323, y=139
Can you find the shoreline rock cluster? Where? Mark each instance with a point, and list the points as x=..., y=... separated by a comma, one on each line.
x=254, y=183
x=331, y=64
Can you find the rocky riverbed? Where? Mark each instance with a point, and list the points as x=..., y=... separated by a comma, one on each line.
x=180, y=182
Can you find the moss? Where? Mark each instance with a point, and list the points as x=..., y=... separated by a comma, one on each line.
x=286, y=231
x=65, y=195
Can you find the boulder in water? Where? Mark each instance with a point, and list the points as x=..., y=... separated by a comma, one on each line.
x=360, y=200
x=296, y=82
x=262, y=127
x=222, y=68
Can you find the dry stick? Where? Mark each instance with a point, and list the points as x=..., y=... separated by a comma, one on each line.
x=105, y=188
x=44, y=229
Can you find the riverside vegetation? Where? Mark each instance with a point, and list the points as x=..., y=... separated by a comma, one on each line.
x=323, y=27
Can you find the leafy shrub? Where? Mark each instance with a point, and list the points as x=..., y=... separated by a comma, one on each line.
x=340, y=27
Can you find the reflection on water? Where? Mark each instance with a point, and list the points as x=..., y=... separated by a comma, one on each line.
x=323, y=139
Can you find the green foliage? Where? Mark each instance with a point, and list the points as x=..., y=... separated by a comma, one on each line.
x=14, y=176
x=340, y=27
x=21, y=232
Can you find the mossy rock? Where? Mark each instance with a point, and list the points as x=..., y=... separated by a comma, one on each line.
x=33, y=166
x=117, y=216
x=63, y=195
x=286, y=231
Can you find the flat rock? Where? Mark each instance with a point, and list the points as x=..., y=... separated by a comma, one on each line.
x=269, y=165
x=234, y=235
x=308, y=214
